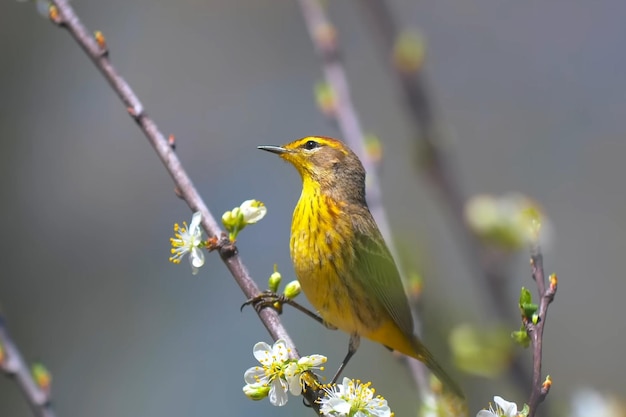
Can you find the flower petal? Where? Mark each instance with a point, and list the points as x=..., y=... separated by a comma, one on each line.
x=295, y=387
x=339, y=405
x=195, y=222
x=508, y=408
x=278, y=393
x=312, y=360
x=292, y=373
x=255, y=375
x=263, y=353
x=196, y=257
x=280, y=352
x=379, y=409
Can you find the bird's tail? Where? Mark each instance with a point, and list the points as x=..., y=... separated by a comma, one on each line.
x=394, y=338
x=425, y=356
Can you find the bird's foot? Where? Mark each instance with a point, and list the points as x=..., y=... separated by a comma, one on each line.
x=267, y=299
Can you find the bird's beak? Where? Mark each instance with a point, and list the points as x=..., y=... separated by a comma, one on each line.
x=273, y=149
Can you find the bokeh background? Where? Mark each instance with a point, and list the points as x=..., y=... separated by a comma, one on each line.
x=531, y=97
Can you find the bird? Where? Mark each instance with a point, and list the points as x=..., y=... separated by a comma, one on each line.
x=340, y=258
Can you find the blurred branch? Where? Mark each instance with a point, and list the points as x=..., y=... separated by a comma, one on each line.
x=534, y=328
x=12, y=363
x=413, y=85
x=436, y=160
x=96, y=49
x=438, y=164
x=325, y=40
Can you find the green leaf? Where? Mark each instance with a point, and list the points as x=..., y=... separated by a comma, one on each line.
x=529, y=310
x=525, y=297
x=521, y=337
x=526, y=305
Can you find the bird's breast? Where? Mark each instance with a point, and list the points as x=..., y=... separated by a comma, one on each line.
x=323, y=257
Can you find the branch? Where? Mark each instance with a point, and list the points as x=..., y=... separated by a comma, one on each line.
x=96, y=49
x=437, y=162
x=539, y=388
x=325, y=40
x=12, y=363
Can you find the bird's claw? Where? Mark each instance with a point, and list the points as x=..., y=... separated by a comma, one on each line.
x=266, y=299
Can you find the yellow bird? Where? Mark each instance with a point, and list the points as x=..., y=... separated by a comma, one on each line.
x=339, y=256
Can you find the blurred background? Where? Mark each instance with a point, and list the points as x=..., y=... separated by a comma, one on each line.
x=530, y=97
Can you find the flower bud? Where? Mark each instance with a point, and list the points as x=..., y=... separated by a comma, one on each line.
x=42, y=376
x=252, y=211
x=326, y=99
x=227, y=219
x=409, y=52
x=274, y=281
x=292, y=289
x=256, y=392
x=237, y=216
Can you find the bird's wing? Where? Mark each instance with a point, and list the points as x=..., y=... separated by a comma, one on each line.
x=379, y=275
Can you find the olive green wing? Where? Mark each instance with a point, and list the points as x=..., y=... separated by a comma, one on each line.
x=377, y=272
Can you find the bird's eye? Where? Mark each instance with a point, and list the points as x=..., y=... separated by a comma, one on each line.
x=311, y=144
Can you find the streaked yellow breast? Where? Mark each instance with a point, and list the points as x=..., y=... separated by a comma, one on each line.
x=323, y=258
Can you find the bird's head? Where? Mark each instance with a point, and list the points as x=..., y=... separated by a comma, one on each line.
x=324, y=161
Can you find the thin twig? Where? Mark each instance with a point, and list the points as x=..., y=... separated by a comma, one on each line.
x=540, y=387
x=13, y=364
x=438, y=165
x=96, y=50
x=325, y=40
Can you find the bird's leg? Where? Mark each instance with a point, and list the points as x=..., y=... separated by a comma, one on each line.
x=353, y=345
x=276, y=301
